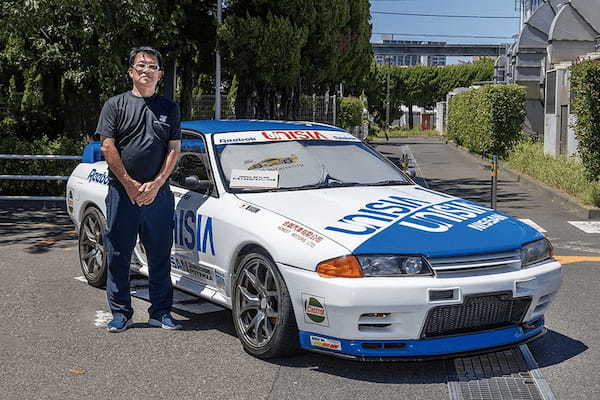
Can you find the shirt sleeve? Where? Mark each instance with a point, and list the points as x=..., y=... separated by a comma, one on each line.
x=176, y=124
x=107, y=123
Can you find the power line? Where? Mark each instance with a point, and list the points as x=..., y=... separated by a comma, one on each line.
x=447, y=36
x=442, y=15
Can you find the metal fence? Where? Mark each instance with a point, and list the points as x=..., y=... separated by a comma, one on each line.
x=313, y=108
x=35, y=177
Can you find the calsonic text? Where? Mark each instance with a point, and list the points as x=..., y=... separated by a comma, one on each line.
x=410, y=213
x=294, y=135
x=98, y=177
x=191, y=232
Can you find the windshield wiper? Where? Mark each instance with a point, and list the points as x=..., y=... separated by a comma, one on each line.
x=388, y=182
x=324, y=185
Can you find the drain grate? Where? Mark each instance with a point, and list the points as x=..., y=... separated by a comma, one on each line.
x=502, y=375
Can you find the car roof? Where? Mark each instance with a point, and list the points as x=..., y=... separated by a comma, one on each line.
x=244, y=125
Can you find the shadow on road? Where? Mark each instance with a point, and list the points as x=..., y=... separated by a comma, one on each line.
x=40, y=230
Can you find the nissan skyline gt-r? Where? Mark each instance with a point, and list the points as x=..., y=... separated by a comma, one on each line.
x=331, y=247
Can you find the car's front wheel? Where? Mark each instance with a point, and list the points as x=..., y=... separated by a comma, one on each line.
x=262, y=310
x=92, y=254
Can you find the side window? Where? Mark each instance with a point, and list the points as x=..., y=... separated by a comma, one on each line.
x=192, y=172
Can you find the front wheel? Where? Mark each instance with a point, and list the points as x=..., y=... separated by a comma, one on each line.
x=262, y=310
x=92, y=254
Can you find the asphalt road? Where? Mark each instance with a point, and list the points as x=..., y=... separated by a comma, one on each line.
x=52, y=348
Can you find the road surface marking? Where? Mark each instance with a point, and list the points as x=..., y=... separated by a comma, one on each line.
x=573, y=259
x=80, y=279
x=102, y=318
x=587, y=226
x=532, y=224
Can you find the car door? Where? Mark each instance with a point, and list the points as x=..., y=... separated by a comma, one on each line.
x=195, y=249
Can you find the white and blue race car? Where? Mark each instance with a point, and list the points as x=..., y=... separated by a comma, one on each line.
x=316, y=241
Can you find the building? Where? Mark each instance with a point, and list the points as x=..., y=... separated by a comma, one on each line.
x=408, y=59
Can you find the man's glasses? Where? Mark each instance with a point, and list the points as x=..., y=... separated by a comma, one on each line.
x=139, y=67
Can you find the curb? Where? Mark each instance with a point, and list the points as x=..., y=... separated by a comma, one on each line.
x=566, y=200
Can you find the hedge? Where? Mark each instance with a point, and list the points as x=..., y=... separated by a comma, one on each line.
x=585, y=85
x=43, y=145
x=488, y=120
x=351, y=111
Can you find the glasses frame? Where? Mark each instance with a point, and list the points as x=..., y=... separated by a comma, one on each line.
x=141, y=67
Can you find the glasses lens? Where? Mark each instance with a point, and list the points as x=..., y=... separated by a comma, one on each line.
x=141, y=67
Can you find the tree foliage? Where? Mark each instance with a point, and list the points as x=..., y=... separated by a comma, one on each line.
x=64, y=58
x=488, y=120
x=281, y=50
x=422, y=86
x=585, y=83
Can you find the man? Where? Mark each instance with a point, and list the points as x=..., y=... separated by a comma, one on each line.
x=141, y=140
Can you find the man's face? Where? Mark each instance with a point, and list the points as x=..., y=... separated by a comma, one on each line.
x=142, y=72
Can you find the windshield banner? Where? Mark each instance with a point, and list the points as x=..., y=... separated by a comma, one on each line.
x=282, y=136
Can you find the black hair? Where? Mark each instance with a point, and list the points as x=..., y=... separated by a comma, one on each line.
x=145, y=49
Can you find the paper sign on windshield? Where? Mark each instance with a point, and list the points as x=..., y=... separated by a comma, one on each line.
x=253, y=179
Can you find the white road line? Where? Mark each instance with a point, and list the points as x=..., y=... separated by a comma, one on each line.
x=532, y=224
x=102, y=318
x=80, y=278
x=587, y=226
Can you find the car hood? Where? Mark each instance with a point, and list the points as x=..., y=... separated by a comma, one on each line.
x=398, y=220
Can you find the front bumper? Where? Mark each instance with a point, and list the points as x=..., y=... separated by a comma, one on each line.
x=394, y=310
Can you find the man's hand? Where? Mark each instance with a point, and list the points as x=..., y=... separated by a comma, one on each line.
x=132, y=187
x=147, y=192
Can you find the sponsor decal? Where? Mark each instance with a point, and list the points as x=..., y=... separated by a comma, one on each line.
x=184, y=196
x=300, y=233
x=253, y=179
x=193, y=231
x=279, y=136
x=98, y=177
x=274, y=162
x=250, y=208
x=326, y=343
x=486, y=222
x=314, y=310
x=197, y=272
x=411, y=213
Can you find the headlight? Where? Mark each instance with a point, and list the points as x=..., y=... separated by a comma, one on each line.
x=383, y=265
x=534, y=252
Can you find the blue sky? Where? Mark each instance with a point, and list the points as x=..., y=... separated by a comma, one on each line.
x=446, y=26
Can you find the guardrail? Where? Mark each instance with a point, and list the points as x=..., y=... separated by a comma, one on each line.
x=35, y=177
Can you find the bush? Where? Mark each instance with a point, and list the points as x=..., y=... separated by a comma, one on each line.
x=351, y=112
x=585, y=84
x=60, y=146
x=488, y=120
x=564, y=173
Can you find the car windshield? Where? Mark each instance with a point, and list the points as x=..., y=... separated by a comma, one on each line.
x=303, y=164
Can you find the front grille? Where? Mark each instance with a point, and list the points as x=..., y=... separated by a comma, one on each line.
x=477, y=313
x=501, y=260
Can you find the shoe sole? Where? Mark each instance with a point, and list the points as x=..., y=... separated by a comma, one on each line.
x=158, y=324
x=124, y=328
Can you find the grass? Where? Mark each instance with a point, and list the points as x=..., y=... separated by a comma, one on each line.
x=563, y=173
x=402, y=132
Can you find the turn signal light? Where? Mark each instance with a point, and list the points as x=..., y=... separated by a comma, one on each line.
x=341, y=267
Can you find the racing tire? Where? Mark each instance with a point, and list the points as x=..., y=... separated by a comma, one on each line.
x=92, y=254
x=262, y=310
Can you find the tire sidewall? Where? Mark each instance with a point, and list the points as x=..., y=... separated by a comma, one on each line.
x=275, y=346
x=100, y=279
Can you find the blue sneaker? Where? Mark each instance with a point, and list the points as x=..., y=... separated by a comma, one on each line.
x=165, y=322
x=119, y=323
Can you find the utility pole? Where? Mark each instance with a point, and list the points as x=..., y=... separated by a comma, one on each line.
x=387, y=99
x=218, y=65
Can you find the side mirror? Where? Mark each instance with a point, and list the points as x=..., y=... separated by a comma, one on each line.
x=192, y=182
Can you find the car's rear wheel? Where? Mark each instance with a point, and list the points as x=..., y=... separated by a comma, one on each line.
x=262, y=310
x=92, y=254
